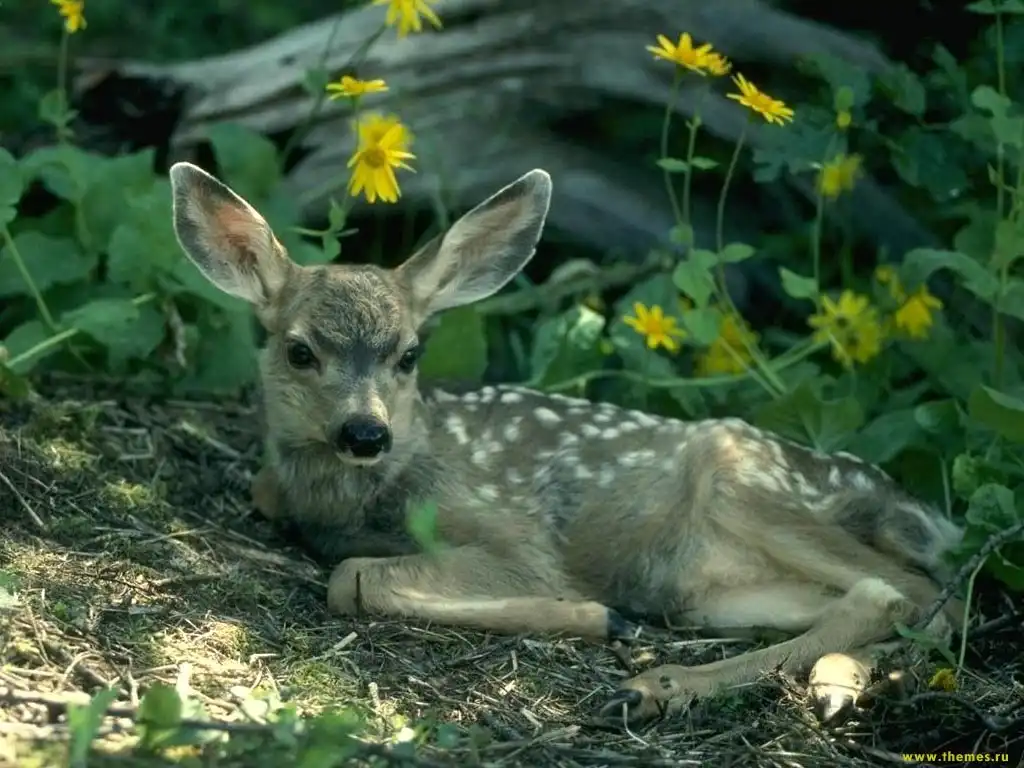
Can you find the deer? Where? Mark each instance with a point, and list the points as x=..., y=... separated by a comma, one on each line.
x=557, y=515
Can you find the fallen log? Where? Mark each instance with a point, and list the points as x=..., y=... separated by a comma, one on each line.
x=481, y=97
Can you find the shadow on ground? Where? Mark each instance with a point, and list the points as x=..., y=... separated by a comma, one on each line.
x=130, y=554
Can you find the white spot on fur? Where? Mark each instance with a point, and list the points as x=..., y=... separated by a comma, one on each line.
x=511, y=430
x=444, y=397
x=471, y=397
x=568, y=438
x=511, y=397
x=547, y=416
x=835, y=477
x=583, y=473
x=646, y=419
x=636, y=458
x=457, y=428
x=589, y=430
x=862, y=482
x=668, y=465
x=602, y=417
x=487, y=492
x=850, y=457
x=610, y=434
x=480, y=456
x=629, y=426
x=514, y=476
x=606, y=477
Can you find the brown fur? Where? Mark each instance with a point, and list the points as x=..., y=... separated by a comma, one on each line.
x=557, y=515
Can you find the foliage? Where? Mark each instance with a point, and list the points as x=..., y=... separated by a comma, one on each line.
x=876, y=364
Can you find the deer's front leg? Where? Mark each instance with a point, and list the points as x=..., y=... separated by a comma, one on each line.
x=468, y=587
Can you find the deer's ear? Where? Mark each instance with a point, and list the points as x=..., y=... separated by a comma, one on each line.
x=225, y=237
x=484, y=249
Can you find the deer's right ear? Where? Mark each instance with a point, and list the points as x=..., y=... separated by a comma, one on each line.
x=225, y=237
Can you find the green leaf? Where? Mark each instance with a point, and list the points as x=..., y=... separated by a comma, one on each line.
x=1008, y=129
x=421, y=524
x=143, y=244
x=693, y=276
x=116, y=184
x=801, y=414
x=85, y=722
x=673, y=165
x=734, y=252
x=992, y=7
x=798, y=286
x=887, y=436
x=23, y=339
x=12, y=385
x=566, y=345
x=920, y=263
x=108, y=321
x=843, y=99
x=925, y=160
x=247, y=160
x=224, y=353
x=49, y=260
x=1011, y=300
x=704, y=163
x=993, y=509
x=999, y=412
x=64, y=169
x=704, y=325
x=11, y=187
x=681, y=234
x=906, y=89
x=939, y=417
x=457, y=348
x=159, y=716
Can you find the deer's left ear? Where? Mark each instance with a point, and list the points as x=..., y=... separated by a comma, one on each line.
x=483, y=250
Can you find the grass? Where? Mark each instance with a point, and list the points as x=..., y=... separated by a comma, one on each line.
x=131, y=555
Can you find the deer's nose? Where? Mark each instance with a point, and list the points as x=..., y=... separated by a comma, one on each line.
x=364, y=437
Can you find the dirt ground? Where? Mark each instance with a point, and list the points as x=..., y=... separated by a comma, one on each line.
x=130, y=554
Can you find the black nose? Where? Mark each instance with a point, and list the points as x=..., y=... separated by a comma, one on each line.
x=363, y=437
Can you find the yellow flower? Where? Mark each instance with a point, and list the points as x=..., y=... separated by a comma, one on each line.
x=772, y=110
x=684, y=54
x=728, y=354
x=944, y=679
x=887, y=275
x=915, y=316
x=351, y=87
x=851, y=326
x=716, y=64
x=655, y=326
x=408, y=15
x=838, y=175
x=371, y=127
x=843, y=119
x=375, y=160
x=73, y=12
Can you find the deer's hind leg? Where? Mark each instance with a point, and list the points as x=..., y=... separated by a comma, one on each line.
x=865, y=615
x=468, y=586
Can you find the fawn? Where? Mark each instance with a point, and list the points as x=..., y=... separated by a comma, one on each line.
x=559, y=514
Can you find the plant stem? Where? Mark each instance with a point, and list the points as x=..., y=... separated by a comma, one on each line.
x=354, y=61
x=691, y=146
x=771, y=382
x=998, y=329
x=62, y=89
x=780, y=363
x=68, y=333
x=670, y=187
x=819, y=218
x=19, y=262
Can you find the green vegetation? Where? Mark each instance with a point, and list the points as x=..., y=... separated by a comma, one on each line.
x=866, y=359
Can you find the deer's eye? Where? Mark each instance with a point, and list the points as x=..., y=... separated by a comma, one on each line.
x=407, y=362
x=300, y=355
